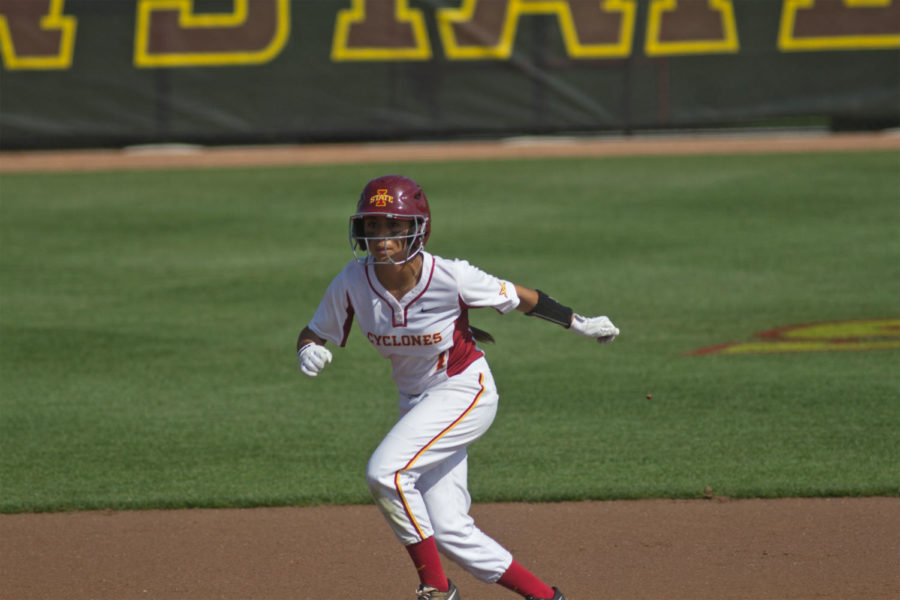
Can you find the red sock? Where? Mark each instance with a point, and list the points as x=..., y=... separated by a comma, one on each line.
x=520, y=580
x=428, y=563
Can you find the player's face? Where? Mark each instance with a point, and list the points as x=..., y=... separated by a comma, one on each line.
x=388, y=243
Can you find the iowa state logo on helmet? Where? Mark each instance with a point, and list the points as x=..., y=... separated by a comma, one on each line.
x=381, y=199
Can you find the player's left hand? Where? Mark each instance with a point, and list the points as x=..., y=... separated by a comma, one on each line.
x=599, y=328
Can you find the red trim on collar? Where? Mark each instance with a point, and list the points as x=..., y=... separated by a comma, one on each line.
x=405, y=308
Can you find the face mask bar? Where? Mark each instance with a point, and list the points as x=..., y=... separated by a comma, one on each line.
x=413, y=242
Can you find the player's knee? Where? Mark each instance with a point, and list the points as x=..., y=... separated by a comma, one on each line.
x=453, y=532
x=378, y=478
x=386, y=481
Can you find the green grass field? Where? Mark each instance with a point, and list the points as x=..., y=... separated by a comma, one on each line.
x=149, y=321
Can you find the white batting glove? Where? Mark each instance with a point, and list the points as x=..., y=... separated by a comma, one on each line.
x=312, y=358
x=599, y=328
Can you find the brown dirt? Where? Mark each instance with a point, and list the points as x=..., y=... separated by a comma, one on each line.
x=790, y=549
x=657, y=549
x=181, y=156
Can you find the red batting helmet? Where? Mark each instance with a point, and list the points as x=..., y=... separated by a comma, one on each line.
x=394, y=197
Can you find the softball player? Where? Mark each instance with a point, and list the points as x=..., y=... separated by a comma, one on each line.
x=413, y=307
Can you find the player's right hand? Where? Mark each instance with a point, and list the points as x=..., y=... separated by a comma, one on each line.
x=312, y=358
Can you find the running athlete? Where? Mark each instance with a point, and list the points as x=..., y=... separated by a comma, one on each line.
x=413, y=307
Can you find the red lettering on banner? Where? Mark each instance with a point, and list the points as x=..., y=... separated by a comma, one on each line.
x=810, y=25
x=380, y=30
x=691, y=27
x=171, y=33
x=486, y=29
x=35, y=34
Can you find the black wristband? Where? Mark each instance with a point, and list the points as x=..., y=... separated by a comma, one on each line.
x=550, y=310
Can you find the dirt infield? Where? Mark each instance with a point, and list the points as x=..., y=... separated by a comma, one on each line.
x=182, y=156
x=835, y=548
x=791, y=549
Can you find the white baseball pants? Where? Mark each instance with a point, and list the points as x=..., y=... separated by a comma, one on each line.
x=418, y=474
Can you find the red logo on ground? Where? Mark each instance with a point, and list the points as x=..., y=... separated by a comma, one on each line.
x=868, y=334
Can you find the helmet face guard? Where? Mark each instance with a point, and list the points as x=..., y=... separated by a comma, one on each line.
x=412, y=242
x=396, y=198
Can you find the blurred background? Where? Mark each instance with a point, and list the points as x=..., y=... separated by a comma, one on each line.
x=114, y=73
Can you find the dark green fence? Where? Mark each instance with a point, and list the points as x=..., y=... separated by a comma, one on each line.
x=116, y=72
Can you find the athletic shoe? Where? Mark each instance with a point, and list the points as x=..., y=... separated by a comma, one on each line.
x=557, y=595
x=427, y=592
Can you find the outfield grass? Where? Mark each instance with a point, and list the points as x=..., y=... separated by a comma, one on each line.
x=149, y=320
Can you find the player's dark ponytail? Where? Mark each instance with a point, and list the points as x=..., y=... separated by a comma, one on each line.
x=481, y=335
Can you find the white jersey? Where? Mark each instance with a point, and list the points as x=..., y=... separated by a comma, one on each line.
x=426, y=334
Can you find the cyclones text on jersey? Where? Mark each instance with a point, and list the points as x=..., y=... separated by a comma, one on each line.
x=405, y=340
